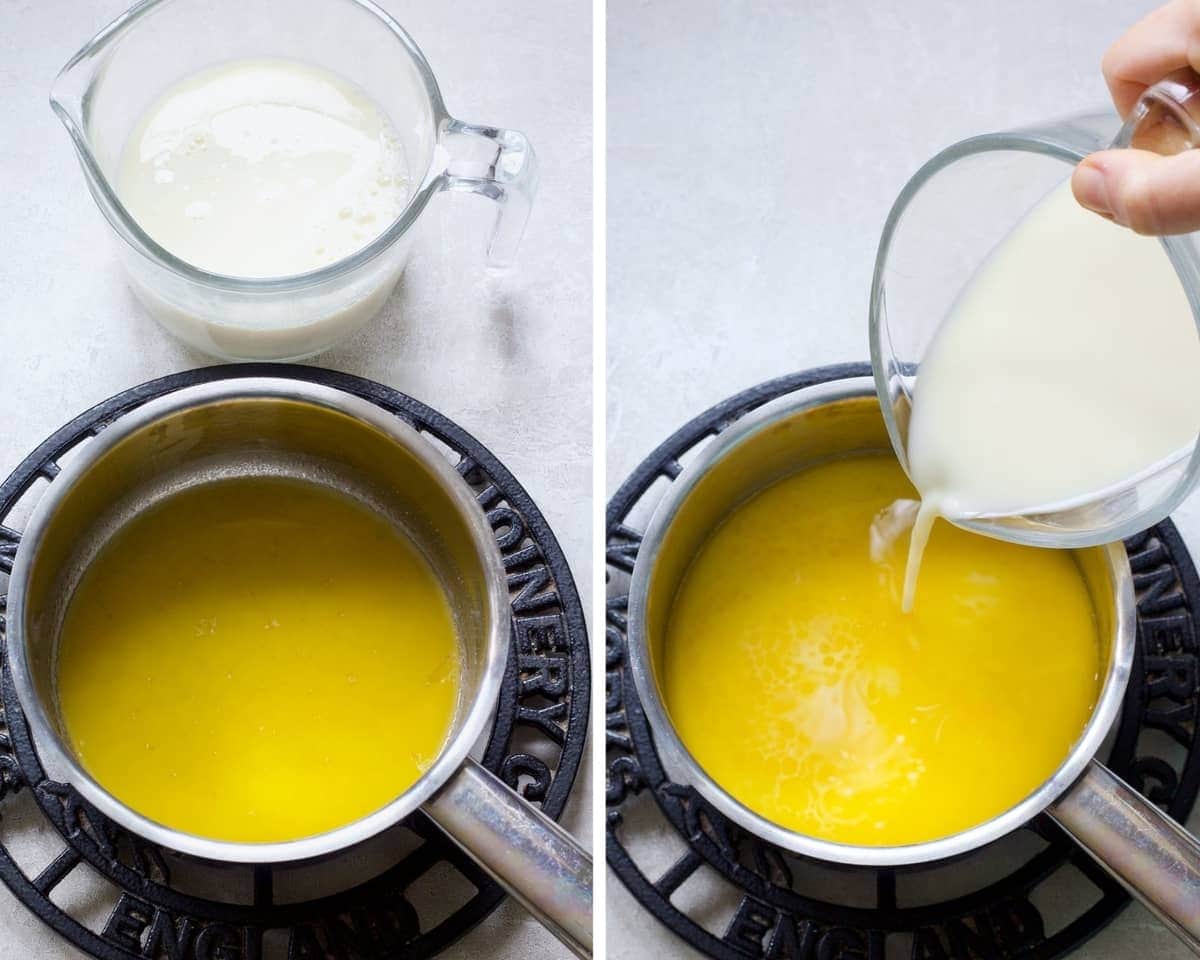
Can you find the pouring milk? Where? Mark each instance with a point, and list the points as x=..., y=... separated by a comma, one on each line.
x=1069, y=365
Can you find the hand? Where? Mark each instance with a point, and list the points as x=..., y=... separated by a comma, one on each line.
x=1144, y=191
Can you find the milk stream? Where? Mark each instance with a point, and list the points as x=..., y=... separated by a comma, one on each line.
x=264, y=168
x=1069, y=365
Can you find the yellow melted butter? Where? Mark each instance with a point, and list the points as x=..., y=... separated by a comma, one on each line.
x=798, y=684
x=258, y=660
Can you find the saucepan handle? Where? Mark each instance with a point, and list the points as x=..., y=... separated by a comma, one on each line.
x=1153, y=857
x=529, y=854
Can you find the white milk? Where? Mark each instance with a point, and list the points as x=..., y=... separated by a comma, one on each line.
x=263, y=168
x=1069, y=364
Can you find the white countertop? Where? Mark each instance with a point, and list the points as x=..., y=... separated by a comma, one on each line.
x=512, y=366
x=754, y=151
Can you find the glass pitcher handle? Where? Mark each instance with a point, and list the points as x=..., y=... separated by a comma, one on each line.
x=1166, y=118
x=500, y=165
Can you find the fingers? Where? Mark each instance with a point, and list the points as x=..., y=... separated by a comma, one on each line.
x=1167, y=39
x=1149, y=193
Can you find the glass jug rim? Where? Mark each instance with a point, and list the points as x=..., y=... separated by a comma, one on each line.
x=132, y=232
x=1039, y=141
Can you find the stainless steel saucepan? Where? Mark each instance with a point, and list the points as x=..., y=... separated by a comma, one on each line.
x=1151, y=855
x=288, y=428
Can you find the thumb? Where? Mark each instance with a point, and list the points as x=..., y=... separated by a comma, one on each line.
x=1147, y=192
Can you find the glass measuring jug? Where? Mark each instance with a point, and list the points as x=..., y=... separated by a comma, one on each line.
x=947, y=221
x=107, y=86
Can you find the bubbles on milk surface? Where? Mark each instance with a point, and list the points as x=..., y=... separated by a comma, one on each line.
x=264, y=168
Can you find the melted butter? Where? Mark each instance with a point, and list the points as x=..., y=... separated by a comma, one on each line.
x=801, y=687
x=258, y=660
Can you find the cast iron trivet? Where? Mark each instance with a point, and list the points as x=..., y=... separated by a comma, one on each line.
x=776, y=905
x=537, y=743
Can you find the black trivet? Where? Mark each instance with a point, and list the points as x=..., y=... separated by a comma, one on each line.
x=1042, y=896
x=412, y=905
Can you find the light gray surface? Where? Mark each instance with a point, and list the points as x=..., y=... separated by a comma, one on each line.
x=754, y=151
x=510, y=360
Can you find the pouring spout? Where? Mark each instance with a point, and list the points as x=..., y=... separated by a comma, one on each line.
x=69, y=99
x=73, y=100
x=72, y=88
x=69, y=92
